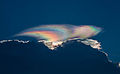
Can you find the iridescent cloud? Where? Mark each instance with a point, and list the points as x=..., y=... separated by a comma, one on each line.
x=54, y=33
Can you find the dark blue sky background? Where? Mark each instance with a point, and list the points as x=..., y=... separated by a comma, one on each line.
x=17, y=15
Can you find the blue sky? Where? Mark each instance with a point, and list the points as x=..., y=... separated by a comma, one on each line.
x=17, y=15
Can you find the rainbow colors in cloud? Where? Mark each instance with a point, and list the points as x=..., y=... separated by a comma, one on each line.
x=54, y=33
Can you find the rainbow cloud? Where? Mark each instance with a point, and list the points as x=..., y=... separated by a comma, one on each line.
x=54, y=33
